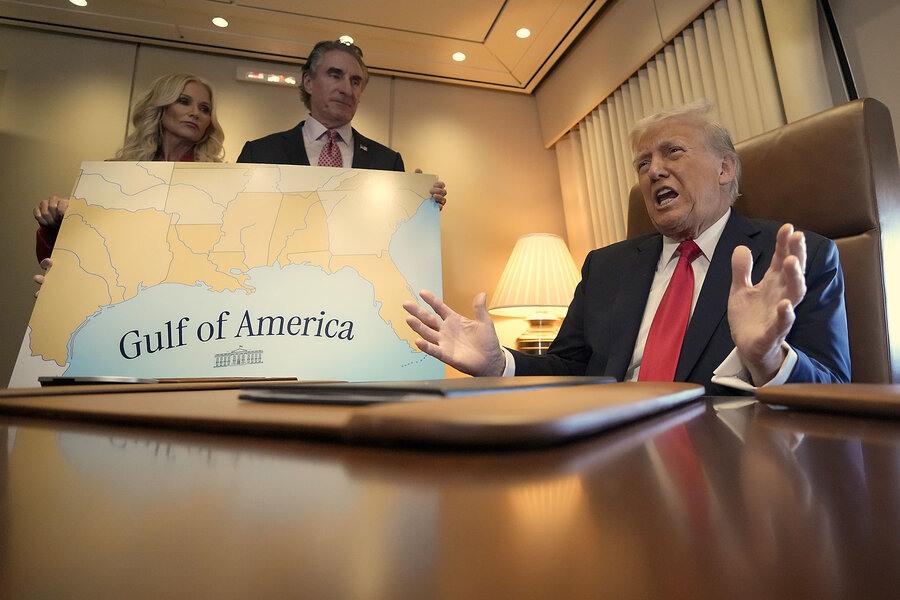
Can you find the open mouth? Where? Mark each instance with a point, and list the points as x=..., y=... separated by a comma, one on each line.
x=664, y=196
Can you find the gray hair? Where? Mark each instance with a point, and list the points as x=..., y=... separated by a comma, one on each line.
x=718, y=140
x=315, y=59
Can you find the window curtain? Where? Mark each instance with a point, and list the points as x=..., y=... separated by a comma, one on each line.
x=723, y=57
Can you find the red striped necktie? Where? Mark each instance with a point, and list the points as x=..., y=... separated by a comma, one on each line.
x=670, y=322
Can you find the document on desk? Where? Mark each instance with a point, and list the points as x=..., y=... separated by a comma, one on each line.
x=357, y=394
x=872, y=399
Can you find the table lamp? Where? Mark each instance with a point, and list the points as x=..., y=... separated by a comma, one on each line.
x=537, y=285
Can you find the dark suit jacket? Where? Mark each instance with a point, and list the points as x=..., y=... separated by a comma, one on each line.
x=598, y=334
x=287, y=148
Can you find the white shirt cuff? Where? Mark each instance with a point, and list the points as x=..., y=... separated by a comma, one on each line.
x=510, y=369
x=732, y=372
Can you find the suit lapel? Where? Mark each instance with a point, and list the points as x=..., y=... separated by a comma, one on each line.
x=362, y=158
x=296, y=147
x=628, y=306
x=712, y=304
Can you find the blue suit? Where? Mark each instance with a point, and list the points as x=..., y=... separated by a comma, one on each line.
x=599, y=332
x=287, y=148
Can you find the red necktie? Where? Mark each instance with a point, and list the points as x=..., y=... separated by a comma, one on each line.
x=660, y=359
x=670, y=322
x=331, y=154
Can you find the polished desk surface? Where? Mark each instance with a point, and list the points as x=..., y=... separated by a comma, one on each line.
x=721, y=499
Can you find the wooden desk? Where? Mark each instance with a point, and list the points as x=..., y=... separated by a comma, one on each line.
x=771, y=504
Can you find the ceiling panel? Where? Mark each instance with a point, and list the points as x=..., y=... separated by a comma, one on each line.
x=551, y=25
x=458, y=19
x=409, y=38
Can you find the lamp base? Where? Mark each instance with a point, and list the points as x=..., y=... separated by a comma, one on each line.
x=542, y=330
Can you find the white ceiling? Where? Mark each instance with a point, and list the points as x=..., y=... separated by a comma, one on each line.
x=410, y=38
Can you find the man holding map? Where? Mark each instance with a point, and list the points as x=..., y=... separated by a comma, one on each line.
x=332, y=82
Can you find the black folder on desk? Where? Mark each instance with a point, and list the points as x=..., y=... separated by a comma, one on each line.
x=357, y=394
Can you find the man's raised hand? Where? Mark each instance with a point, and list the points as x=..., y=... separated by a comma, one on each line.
x=466, y=345
x=761, y=315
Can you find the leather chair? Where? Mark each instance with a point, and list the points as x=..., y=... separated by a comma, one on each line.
x=835, y=173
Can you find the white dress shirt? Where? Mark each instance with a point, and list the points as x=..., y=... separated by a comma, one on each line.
x=314, y=139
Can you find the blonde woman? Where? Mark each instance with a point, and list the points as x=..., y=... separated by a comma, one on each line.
x=175, y=120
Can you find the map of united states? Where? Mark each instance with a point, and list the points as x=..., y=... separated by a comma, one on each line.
x=214, y=234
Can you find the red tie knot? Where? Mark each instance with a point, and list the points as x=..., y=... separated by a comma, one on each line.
x=689, y=250
x=331, y=154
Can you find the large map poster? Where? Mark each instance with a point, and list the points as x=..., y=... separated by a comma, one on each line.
x=209, y=270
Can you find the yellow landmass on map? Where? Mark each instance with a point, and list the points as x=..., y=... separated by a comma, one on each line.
x=390, y=289
x=54, y=322
x=316, y=258
x=199, y=193
x=122, y=250
x=137, y=240
x=247, y=227
x=365, y=211
x=93, y=255
x=191, y=268
x=198, y=238
x=226, y=262
x=300, y=228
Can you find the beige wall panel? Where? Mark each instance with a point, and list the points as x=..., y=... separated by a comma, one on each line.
x=502, y=183
x=869, y=30
x=373, y=117
x=64, y=100
x=614, y=46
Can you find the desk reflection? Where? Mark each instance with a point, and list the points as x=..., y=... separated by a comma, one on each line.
x=794, y=505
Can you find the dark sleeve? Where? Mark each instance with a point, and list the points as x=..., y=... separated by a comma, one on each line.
x=398, y=163
x=246, y=155
x=45, y=239
x=819, y=334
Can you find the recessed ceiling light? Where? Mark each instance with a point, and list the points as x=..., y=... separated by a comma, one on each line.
x=79, y=2
x=523, y=33
x=459, y=56
x=219, y=22
x=345, y=39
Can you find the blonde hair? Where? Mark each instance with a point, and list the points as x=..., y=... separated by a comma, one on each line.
x=718, y=140
x=145, y=140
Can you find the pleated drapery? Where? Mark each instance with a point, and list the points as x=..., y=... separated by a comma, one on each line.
x=723, y=57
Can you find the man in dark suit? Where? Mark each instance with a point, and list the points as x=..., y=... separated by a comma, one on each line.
x=332, y=82
x=762, y=313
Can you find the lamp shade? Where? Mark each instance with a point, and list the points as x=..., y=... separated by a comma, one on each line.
x=539, y=276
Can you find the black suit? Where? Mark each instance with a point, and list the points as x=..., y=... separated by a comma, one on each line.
x=599, y=332
x=287, y=148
